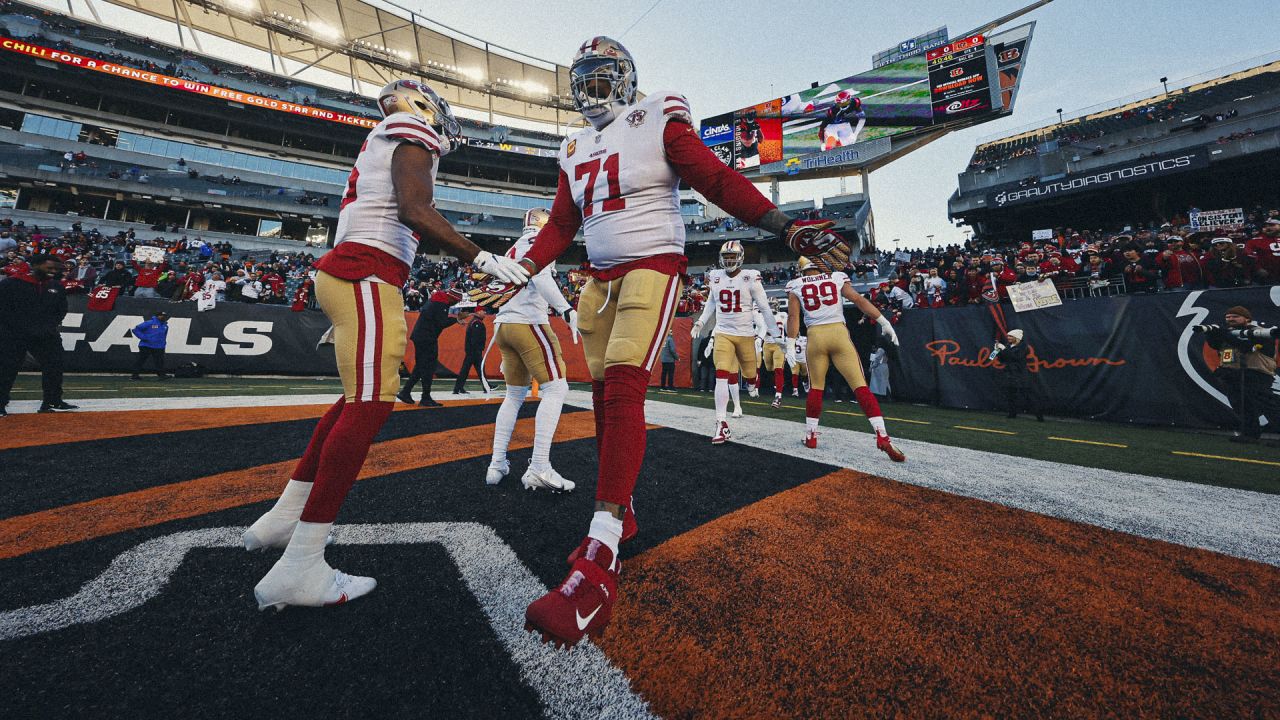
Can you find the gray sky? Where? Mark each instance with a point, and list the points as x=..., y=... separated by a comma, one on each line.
x=727, y=55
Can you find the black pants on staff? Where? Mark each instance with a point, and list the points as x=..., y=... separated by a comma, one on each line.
x=668, y=376
x=157, y=357
x=469, y=362
x=426, y=353
x=1020, y=397
x=47, y=350
x=1250, y=395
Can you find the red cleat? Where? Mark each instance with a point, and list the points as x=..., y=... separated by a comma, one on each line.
x=886, y=445
x=722, y=434
x=629, y=530
x=583, y=604
x=810, y=439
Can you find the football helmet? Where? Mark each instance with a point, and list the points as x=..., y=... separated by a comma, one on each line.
x=536, y=218
x=731, y=255
x=602, y=80
x=845, y=99
x=419, y=99
x=803, y=263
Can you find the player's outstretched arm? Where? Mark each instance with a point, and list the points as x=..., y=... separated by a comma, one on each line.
x=411, y=175
x=871, y=311
x=727, y=189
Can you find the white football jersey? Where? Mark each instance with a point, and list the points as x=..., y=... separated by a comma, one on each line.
x=369, y=214
x=529, y=306
x=819, y=297
x=624, y=187
x=780, y=320
x=802, y=342
x=734, y=299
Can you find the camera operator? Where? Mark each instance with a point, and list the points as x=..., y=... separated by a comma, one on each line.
x=1247, y=368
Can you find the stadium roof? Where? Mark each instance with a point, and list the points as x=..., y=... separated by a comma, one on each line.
x=373, y=42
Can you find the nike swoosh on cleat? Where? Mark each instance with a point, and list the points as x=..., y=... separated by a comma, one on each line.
x=583, y=622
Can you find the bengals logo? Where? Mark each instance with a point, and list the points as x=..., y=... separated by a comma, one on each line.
x=1010, y=55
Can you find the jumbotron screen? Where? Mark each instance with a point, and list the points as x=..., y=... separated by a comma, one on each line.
x=973, y=77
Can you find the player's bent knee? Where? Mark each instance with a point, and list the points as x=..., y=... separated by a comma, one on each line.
x=555, y=389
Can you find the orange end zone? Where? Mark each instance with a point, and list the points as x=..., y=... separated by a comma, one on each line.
x=33, y=430
x=856, y=596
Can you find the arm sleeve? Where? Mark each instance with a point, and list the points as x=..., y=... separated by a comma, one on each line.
x=762, y=303
x=698, y=166
x=757, y=319
x=546, y=286
x=556, y=236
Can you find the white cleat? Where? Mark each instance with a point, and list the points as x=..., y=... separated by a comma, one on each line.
x=272, y=532
x=753, y=391
x=737, y=413
x=548, y=479
x=722, y=433
x=318, y=586
x=495, y=473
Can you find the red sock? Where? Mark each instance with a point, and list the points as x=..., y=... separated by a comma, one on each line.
x=813, y=404
x=778, y=381
x=624, y=433
x=597, y=407
x=733, y=378
x=305, y=471
x=342, y=456
x=870, y=406
x=724, y=375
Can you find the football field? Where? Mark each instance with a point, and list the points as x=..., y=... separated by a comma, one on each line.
x=1008, y=569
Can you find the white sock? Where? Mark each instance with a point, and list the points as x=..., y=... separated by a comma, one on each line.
x=505, y=424
x=307, y=542
x=722, y=398
x=734, y=390
x=292, y=500
x=607, y=529
x=877, y=423
x=811, y=424
x=545, y=422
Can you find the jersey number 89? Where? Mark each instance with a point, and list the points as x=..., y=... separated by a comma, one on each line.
x=818, y=294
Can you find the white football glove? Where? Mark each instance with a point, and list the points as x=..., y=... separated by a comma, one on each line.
x=571, y=317
x=792, y=359
x=886, y=328
x=759, y=346
x=501, y=267
x=711, y=346
x=697, y=330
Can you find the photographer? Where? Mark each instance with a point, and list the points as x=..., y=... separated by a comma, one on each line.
x=1246, y=370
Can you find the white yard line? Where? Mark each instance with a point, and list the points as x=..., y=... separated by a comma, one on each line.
x=1239, y=523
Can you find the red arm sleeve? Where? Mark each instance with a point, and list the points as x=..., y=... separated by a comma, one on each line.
x=698, y=166
x=557, y=234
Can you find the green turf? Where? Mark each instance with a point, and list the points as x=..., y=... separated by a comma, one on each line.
x=1149, y=450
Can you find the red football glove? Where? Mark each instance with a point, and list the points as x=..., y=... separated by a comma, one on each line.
x=814, y=240
x=492, y=293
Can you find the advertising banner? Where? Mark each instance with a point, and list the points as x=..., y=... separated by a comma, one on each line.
x=192, y=86
x=1143, y=169
x=1123, y=359
x=718, y=134
x=757, y=136
x=917, y=45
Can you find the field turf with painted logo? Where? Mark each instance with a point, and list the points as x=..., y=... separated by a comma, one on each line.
x=767, y=580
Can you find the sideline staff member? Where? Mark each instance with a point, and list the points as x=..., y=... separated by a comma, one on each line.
x=32, y=306
x=1246, y=369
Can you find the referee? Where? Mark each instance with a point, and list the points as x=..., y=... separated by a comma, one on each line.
x=31, y=310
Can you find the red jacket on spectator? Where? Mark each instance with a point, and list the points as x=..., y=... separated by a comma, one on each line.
x=148, y=277
x=1266, y=251
x=1181, y=269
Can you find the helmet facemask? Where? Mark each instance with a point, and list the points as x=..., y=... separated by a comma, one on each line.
x=602, y=81
x=731, y=256
x=419, y=99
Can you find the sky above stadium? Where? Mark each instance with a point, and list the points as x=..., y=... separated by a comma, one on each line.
x=724, y=56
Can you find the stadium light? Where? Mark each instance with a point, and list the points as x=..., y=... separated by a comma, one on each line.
x=325, y=31
x=473, y=73
x=1059, y=116
x=1165, y=81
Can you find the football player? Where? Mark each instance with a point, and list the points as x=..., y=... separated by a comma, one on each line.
x=836, y=129
x=817, y=297
x=619, y=180
x=774, y=354
x=735, y=294
x=531, y=351
x=800, y=367
x=386, y=208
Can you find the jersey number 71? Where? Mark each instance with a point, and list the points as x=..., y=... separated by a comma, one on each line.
x=591, y=171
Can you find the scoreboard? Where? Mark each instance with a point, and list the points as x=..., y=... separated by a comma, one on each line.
x=960, y=79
